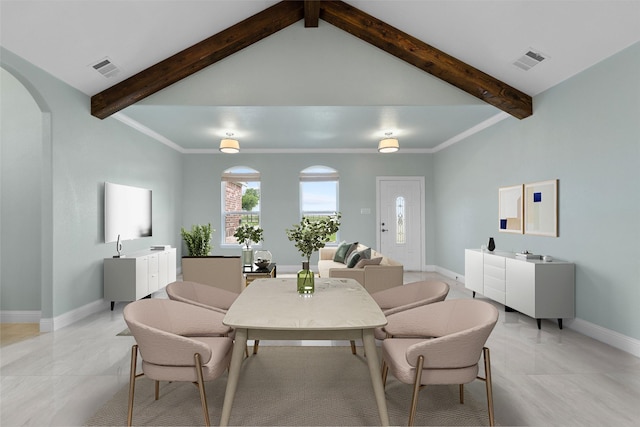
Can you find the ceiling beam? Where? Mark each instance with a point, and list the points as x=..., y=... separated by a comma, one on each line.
x=196, y=57
x=427, y=58
x=311, y=13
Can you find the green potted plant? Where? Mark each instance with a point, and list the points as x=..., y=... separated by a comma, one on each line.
x=309, y=236
x=245, y=234
x=198, y=240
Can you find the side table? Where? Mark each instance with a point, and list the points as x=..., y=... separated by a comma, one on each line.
x=259, y=273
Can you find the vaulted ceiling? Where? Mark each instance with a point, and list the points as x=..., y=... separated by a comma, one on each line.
x=291, y=76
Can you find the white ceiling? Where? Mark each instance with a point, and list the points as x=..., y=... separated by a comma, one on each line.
x=321, y=89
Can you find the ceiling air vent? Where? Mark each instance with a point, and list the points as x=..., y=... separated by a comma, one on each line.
x=106, y=68
x=529, y=60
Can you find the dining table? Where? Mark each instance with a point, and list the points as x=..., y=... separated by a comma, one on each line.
x=272, y=309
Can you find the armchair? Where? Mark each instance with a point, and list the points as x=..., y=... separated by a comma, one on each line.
x=174, y=343
x=450, y=338
x=205, y=296
x=405, y=297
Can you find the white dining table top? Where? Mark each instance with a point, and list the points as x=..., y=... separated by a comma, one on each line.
x=275, y=304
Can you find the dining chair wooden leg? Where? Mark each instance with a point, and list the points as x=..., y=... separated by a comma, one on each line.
x=385, y=371
x=157, y=390
x=255, y=346
x=132, y=382
x=461, y=387
x=203, y=394
x=353, y=347
x=488, y=384
x=416, y=390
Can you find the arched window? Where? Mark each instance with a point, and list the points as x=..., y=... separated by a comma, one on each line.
x=318, y=192
x=241, y=200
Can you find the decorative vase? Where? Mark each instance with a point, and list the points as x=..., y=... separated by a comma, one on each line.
x=305, y=280
x=492, y=245
x=262, y=259
x=247, y=256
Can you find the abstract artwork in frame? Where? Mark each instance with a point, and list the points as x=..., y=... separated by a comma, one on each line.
x=510, y=215
x=541, y=208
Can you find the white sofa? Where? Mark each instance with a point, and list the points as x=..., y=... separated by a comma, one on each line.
x=374, y=278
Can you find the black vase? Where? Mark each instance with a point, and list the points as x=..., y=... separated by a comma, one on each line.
x=492, y=244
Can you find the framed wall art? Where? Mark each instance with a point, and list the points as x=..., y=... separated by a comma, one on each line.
x=541, y=208
x=510, y=215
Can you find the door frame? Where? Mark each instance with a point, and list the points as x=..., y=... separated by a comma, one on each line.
x=421, y=181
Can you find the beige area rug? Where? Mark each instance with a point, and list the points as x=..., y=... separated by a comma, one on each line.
x=293, y=386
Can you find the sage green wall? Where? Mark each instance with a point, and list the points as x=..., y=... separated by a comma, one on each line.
x=280, y=204
x=85, y=152
x=20, y=220
x=586, y=133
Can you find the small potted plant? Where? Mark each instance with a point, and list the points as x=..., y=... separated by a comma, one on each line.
x=309, y=236
x=245, y=234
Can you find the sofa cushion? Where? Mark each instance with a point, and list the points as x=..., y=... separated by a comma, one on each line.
x=357, y=256
x=373, y=261
x=343, y=251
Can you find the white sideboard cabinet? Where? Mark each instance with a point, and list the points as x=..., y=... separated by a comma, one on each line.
x=138, y=274
x=538, y=289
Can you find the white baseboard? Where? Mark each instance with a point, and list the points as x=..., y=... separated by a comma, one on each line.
x=607, y=336
x=20, y=316
x=448, y=273
x=66, y=319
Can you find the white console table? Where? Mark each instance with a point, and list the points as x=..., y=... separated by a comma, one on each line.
x=138, y=274
x=538, y=289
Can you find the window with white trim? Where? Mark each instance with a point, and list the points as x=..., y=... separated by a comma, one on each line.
x=319, y=192
x=241, y=199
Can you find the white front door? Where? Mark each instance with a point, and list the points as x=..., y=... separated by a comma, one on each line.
x=401, y=220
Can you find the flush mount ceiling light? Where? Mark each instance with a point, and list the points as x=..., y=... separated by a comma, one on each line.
x=229, y=145
x=388, y=144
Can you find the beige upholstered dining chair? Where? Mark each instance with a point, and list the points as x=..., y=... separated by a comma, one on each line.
x=176, y=344
x=201, y=295
x=448, y=340
x=208, y=297
x=411, y=295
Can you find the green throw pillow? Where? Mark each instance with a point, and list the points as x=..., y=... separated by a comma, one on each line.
x=357, y=256
x=343, y=251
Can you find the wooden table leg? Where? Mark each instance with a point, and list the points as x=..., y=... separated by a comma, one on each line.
x=239, y=347
x=376, y=377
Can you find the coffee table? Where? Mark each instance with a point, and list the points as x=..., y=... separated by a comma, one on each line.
x=271, y=309
x=258, y=273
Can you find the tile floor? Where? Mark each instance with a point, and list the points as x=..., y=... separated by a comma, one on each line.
x=547, y=377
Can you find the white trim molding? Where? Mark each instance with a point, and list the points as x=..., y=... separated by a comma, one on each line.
x=66, y=319
x=607, y=336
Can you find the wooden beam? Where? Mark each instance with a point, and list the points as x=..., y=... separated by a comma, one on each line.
x=427, y=58
x=311, y=13
x=196, y=57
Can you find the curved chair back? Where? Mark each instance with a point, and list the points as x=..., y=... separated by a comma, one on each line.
x=406, y=297
x=410, y=295
x=201, y=295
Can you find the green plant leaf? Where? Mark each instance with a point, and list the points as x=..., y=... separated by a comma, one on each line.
x=198, y=240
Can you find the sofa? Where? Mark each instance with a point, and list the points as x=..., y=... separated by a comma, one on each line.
x=376, y=273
